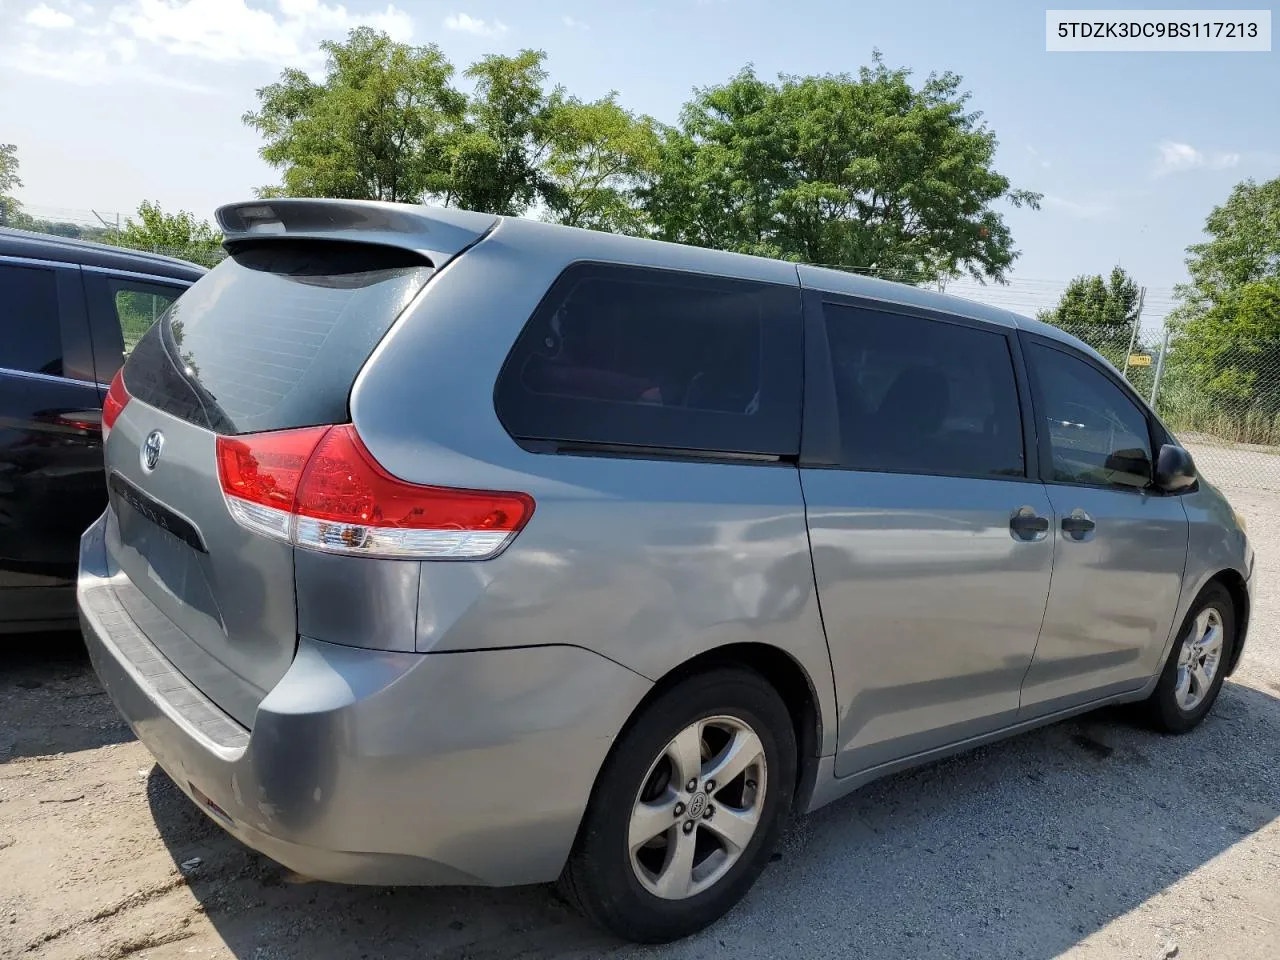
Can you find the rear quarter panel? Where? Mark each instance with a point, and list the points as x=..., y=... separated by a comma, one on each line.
x=647, y=562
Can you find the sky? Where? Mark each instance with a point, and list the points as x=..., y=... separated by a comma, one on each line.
x=113, y=102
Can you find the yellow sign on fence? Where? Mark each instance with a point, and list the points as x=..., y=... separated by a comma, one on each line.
x=1139, y=360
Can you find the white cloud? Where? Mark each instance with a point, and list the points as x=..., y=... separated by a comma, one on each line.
x=1086, y=210
x=1179, y=157
x=230, y=30
x=47, y=18
x=474, y=25
x=122, y=41
x=1036, y=155
x=573, y=23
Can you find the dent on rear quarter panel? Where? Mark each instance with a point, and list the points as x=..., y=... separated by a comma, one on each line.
x=647, y=562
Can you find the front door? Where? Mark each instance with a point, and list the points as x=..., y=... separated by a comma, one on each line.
x=931, y=546
x=1119, y=546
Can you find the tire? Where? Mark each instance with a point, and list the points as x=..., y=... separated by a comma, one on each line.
x=1168, y=708
x=619, y=889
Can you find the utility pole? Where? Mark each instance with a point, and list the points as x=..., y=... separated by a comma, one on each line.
x=1164, y=348
x=1133, y=335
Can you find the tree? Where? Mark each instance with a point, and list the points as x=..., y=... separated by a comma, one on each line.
x=868, y=172
x=1100, y=312
x=496, y=156
x=1231, y=351
x=599, y=154
x=9, y=181
x=1224, y=362
x=376, y=128
x=177, y=234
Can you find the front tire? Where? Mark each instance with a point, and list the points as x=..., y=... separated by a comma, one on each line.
x=1197, y=664
x=687, y=808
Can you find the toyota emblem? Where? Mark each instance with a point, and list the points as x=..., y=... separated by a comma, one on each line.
x=151, y=448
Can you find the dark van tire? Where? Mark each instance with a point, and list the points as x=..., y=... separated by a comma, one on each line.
x=661, y=853
x=1197, y=664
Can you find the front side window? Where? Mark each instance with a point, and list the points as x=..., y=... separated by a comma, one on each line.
x=634, y=357
x=917, y=395
x=138, y=305
x=30, y=330
x=1097, y=434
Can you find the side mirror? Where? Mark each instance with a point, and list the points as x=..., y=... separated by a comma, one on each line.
x=1175, y=470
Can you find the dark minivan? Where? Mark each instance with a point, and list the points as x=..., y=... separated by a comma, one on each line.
x=70, y=311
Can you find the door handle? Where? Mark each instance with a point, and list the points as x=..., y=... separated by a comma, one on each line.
x=1078, y=526
x=1026, y=524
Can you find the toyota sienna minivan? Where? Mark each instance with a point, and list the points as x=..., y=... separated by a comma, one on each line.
x=446, y=548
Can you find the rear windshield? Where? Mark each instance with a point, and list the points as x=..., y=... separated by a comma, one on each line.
x=274, y=336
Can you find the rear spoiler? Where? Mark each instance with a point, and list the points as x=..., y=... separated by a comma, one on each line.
x=437, y=233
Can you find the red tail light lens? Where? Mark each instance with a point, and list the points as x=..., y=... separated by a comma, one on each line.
x=320, y=487
x=114, y=402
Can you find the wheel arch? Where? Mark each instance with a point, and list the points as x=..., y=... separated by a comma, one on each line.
x=1236, y=587
x=786, y=675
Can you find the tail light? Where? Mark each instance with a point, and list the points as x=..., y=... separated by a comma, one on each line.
x=320, y=488
x=114, y=402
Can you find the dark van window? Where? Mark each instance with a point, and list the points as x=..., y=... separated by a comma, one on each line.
x=1096, y=433
x=274, y=336
x=924, y=396
x=627, y=356
x=30, y=331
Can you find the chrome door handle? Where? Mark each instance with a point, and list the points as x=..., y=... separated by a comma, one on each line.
x=1026, y=524
x=1078, y=526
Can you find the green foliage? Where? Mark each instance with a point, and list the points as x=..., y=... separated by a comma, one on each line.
x=1100, y=312
x=497, y=153
x=1224, y=365
x=868, y=171
x=376, y=128
x=9, y=181
x=600, y=154
x=176, y=234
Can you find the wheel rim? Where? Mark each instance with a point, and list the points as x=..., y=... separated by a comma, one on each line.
x=698, y=808
x=1199, y=659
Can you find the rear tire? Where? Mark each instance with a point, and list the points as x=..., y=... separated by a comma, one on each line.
x=1197, y=665
x=650, y=863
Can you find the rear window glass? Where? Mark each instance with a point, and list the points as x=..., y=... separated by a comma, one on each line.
x=274, y=336
x=634, y=357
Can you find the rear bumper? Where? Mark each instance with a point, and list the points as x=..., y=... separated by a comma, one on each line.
x=373, y=767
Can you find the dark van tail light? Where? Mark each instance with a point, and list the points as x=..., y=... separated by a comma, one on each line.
x=320, y=488
x=114, y=402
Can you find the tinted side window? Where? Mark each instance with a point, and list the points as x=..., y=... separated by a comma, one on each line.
x=138, y=305
x=625, y=356
x=30, y=332
x=1097, y=434
x=924, y=396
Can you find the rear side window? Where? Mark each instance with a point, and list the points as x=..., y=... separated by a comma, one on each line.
x=138, y=305
x=657, y=359
x=30, y=331
x=274, y=336
x=917, y=395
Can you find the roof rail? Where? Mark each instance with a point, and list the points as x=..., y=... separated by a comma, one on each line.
x=438, y=233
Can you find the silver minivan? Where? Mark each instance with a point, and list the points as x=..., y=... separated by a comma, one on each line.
x=446, y=548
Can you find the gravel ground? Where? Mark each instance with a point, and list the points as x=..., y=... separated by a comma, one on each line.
x=1088, y=839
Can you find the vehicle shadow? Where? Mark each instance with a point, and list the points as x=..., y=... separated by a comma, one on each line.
x=44, y=675
x=1019, y=849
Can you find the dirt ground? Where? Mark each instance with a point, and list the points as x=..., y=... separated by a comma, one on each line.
x=1088, y=839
